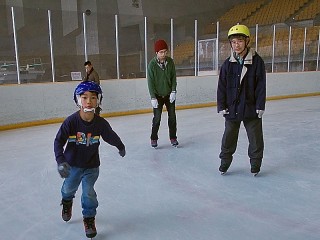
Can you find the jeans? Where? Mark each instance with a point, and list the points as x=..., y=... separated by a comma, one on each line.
x=172, y=122
x=88, y=177
x=230, y=138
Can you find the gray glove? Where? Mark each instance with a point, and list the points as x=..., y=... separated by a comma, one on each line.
x=260, y=113
x=64, y=169
x=122, y=152
x=154, y=103
x=224, y=112
x=172, y=97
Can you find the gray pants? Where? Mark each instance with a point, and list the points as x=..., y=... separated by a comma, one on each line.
x=230, y=139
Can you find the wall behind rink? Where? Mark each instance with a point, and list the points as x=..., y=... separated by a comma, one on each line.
x=41, y=103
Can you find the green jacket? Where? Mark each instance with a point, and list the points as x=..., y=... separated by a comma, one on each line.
x=161, y=82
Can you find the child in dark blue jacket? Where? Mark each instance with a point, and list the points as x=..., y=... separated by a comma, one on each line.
x=76, y=149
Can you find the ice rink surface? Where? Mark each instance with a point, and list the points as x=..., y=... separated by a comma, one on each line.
x=173, y=193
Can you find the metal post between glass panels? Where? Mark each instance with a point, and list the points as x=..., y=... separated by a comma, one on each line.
x=217, y=47
x=51, y=46
x=318, y=51
x=304, y=48
x=84, y=36
x=257, y=31
x=171, y=29
x=15, y=44
x=195, y=46
x=117, y=45
x=273, y=47
x=289, y=48
x=145, y=46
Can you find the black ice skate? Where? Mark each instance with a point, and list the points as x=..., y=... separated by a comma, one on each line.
x=90, y=227
x=255, y=171
x=223, y=173
x=66, y=210
x=223, y=169
x=174, y=142
x=154, y=143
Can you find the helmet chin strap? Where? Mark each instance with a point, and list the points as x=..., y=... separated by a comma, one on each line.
x=89, y=110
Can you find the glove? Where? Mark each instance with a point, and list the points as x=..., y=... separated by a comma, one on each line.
x=154, y=102
x=260, y=113
x=64, y=169
x=172, y=96
x=224, y=112
x=122, y=152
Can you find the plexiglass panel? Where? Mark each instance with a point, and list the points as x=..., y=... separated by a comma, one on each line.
x=131, y=46
x=8, y=72
x=184, y=46
x=68, y=43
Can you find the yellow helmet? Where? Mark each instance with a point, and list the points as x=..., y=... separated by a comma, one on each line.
x=239, y=30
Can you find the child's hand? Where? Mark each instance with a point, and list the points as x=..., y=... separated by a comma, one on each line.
x=64, y=169
x=122, y=152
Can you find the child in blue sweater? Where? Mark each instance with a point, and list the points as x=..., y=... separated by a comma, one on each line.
x=78, y=160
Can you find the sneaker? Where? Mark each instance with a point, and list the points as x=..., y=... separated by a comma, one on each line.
x=66, y=209
x=174, y=142
x=90, y=227
x=154, y=143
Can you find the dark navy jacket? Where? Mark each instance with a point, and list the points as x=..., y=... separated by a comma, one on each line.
x=242, y=88
x=77, y=142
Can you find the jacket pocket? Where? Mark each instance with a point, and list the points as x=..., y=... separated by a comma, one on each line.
x=232, y=112
x=250, y=111
x=250, y=97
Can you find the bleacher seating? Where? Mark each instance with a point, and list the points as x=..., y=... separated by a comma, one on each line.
x=309, y=12
x=275, y=12
x=264, y=13
x=282, y=38
x=240, y=12
x=183, y=52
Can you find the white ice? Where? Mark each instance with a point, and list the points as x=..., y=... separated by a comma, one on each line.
x=169, y=193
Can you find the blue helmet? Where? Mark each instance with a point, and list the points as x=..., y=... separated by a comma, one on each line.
x=87, y=86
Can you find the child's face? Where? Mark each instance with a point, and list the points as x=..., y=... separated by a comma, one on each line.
x=161, y=55
x=89, y=100
x=238, y=44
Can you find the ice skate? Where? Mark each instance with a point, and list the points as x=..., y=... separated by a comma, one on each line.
x=223, y=169
x=90, y=227
x=174, y=142
x=255, y=171
x=66, y=210
x=154, y=143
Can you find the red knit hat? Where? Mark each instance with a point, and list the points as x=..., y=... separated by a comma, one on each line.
x=160, y=45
